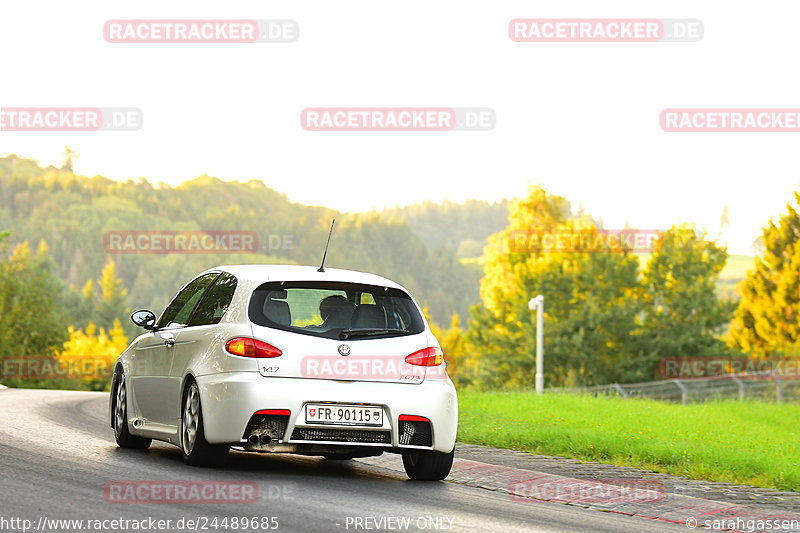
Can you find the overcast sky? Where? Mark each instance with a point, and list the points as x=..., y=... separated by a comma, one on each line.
x=581, y=119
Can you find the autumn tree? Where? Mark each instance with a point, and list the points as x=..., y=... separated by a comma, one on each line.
x=682, y=314
x=591, y=302
x=32, y=323
x=73, y=213
x=92, y=354
x=112, y=299
x=453, y=343
x=605, y=319
x=767, y=319
x=79, y=305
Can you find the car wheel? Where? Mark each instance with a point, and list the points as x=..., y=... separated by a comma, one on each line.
x=121, y=432
x=428, y=466
x=196, y=450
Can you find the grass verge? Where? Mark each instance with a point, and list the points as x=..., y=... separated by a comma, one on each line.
x=741, y=442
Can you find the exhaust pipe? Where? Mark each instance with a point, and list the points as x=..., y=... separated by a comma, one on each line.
x=252, y=439
x=265, y=439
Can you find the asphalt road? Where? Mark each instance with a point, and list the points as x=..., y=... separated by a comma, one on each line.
x=57, y=454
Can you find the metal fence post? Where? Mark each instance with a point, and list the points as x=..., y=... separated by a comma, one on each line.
x=741, y=386
x=684, y=394
x=778, y=388
x=620, y=390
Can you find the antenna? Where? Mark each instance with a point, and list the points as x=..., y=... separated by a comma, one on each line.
x=322, y=266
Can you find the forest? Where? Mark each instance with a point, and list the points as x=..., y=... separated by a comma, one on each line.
x=415, y=246
x=610, y=315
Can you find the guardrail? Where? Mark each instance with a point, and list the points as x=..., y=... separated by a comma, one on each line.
x=765, y=387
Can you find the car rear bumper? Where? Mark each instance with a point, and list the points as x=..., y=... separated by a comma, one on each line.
x=230, y=399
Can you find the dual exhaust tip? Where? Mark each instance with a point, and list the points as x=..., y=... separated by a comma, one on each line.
x=262, y=439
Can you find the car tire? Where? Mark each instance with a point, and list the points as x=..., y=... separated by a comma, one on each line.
x=121, y=432
x=428, y=466
x=196, y=450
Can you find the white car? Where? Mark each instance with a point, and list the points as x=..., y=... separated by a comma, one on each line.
x=288, y=359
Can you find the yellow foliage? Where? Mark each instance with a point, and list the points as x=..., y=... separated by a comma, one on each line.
x=94, y=352
x=452, y=342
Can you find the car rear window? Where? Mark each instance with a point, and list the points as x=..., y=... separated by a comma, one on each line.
x=326, y=309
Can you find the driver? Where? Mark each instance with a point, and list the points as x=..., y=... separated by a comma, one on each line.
x=336, y=312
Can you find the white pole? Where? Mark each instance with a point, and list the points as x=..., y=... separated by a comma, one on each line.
x=537, y=304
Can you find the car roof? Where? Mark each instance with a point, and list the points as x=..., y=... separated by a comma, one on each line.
x=264, y=273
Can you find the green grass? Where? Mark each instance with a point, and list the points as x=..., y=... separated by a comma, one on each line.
x=741, y=442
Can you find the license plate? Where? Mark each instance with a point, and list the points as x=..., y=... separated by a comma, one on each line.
x=344, y=415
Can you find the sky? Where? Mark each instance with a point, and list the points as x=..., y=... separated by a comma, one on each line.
x=579, y=118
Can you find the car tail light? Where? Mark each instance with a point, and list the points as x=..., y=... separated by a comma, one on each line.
x=412, y=418
x=426, y=357
x=278, y=412
x=266, y=426
x=247, y=347
x=415, y=430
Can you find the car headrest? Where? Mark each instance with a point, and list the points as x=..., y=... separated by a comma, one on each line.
x=278, y=311
x=369, y=316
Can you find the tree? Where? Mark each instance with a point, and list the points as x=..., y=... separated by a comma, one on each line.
x=766, y=320
x=32, y=323
x=682, y=315
x=69, y=158
x=453, y=344
x=73, y=213
x=79, y=306
x=112, y=301
x=92, y=354
x=591, y=302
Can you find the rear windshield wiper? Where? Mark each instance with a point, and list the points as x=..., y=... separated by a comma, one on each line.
x=366, y=332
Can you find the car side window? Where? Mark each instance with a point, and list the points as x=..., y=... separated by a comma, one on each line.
x=179, y=311
x=216, y=301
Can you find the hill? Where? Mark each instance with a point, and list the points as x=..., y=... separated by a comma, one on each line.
x=462, y=228
x=73, y=213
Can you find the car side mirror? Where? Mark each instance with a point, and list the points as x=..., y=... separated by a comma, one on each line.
x=144, y=319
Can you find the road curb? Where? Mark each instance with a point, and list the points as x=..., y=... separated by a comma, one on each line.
x=530, y=486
